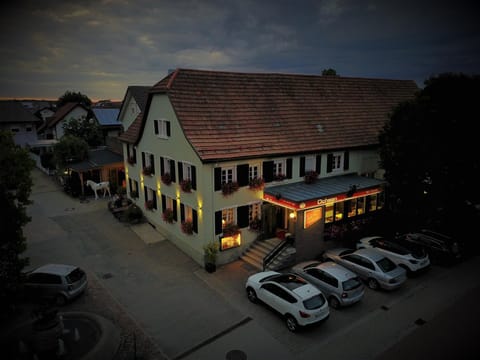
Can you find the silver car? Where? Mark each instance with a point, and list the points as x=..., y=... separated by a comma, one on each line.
x=341, y=286
x=374, y=268
x=57, y=282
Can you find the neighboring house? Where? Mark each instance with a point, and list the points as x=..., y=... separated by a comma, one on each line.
x=219, y=151
x=21, y=122
x=45, y=113
x=107, y=118
x=133, y=104
x=53, y=128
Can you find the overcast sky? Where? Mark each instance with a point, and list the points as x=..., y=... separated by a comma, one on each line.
x=100, y=47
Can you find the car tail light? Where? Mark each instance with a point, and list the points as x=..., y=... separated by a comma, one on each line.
x=344, y=295
x=303, y=314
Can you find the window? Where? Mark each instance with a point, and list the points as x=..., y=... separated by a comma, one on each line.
x=15, y=130
x=372, y=202
x=310, y=163
x=228, y=217
x=228, y=175
x=279, y=169
x=150, y=198
x=339, y=209
x=162, y=128
x=360, y=205
x=148, y=163
x=29, y=129
x=133, y=187
x=253, y=172
x=329, y=213
x=337, y=161
x=352, y=207
x=254, y=211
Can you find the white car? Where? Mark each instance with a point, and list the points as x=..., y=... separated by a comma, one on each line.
x=299, y=302
x=412, y=260
x=341, y=286
x=371, y=266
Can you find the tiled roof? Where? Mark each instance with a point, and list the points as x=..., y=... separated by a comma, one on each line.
x=12, y=111
x=229, y=115
x=140, y=94
x=96, y=159
x=132, y=135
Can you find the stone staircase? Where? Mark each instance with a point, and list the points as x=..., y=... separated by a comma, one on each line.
x=255, y=254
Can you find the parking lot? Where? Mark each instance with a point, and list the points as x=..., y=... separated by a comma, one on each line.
x=191, y=314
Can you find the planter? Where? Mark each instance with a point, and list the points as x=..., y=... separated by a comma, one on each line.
x=167, y=178
x=210, y=267
x=186, y=185
x=229, y=188
x=147, y=170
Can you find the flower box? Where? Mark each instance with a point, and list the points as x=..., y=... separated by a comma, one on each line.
x=231, y=229
x=168, y=216
x=147, y=170
x=134, y=194
x=187, y=227
x=167, y=178
x=149, y=204
x=279, y=177
x=256, y=184
x=310, y=177
x=131, y=160
x=255, y=224
x=186, y=185
x=229, y=188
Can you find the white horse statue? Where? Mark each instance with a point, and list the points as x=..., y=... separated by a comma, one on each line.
x=104, y=185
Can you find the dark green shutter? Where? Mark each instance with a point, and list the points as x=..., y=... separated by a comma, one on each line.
x=174, y=204
x=172, y=170
x=168, y=128
x=162, y=166
x=242, y=216
x=155, y=125
x=180, y=171
x=302, y=166
x=289, y=168
x=194, y=177
x=152, y=163
x=182, y=212
x=242, y=175
x=195, y=220
x=164, y=203
x=218, y=222
x=218, y=179
x=345, y=161
x=329, y=162
x=318, y=164
x=267, y=170
x=143, y=159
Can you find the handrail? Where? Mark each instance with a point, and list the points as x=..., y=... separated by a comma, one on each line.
x=276, y=251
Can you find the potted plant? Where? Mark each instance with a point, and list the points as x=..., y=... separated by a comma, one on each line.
x=256, y=183
x=210, y=250
x=186, y=185
x=149, y=204
x=167, y=178
x=229, y=188
x=280, y=177
x=168, y=216
x=310, y=177
x=187, y=227
x=147, y=170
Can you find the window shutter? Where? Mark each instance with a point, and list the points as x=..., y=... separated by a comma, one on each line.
x=267, y=169
x=143, y=159
x=218, y=222
x=162, y=166
x=135, y=155
x=218, y=179
x=164, y=203
x=242, y=216
x=172, y=171
x=318, y=164
x=329, y=162
x=168, y=128
x=174, y=203
x=182, y=212
x=130, y=184
x=155, y=125
x=242, y=175
x=302, y=166
x=195, y=221
x=154, y=200
x=289, y=168
x=345, y=161
x=194, y=177
x=128, y=151
x=152, y=163
x=180, y=171
x=145, y=193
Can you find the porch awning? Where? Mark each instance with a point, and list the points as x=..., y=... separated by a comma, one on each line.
x=97, y=159
x=324, y=191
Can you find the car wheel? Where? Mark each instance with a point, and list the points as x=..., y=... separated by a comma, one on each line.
x=373, y=284
x=334, y=302
x=252, y=295
x=291, y=323
x=60, y=300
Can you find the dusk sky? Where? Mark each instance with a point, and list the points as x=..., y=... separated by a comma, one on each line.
x=101, y=47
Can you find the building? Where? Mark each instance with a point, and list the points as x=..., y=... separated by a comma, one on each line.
x=21, y=122
x=239, y=157
x=53, y=127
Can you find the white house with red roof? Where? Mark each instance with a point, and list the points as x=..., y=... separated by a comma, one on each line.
x=53, y=127
x=237, y=158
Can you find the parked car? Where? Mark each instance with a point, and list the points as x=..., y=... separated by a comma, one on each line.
x=298, y=301
x=410, y=258
x=371, y=266
x=441, y=248
x=341, y=286
x=57, y=282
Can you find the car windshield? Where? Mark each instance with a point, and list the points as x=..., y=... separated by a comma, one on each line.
x=75, y=276
x=314, y=302
x=386, y=264
x=351, y=284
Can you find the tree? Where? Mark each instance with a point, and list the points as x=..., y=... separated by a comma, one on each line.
x=87, y=130
x=427, y=151
x=76, y=97
x=329, y=71
x=15, y=189
x=70, y=149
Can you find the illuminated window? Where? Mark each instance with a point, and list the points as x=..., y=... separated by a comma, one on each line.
x=372, y=202
x=360, y=205
x=339, y=209
x=229, y=242
x=228, y=217
x=254, y=211
x=329, y=213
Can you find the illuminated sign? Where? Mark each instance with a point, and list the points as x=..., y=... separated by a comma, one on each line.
x=311, y=217
x=229, y=242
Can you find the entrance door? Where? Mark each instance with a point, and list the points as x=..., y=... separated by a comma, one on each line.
x=273, y=219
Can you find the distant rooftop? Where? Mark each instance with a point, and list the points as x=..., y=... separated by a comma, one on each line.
x=107, y=116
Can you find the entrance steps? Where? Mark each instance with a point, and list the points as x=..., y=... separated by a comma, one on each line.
x=255, y=254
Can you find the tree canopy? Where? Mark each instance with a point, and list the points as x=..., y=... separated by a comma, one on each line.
x=88, y=130
x=70, y=149
x=15, y=189
x=76, y=97
x=329, y=71
x=427, y=151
